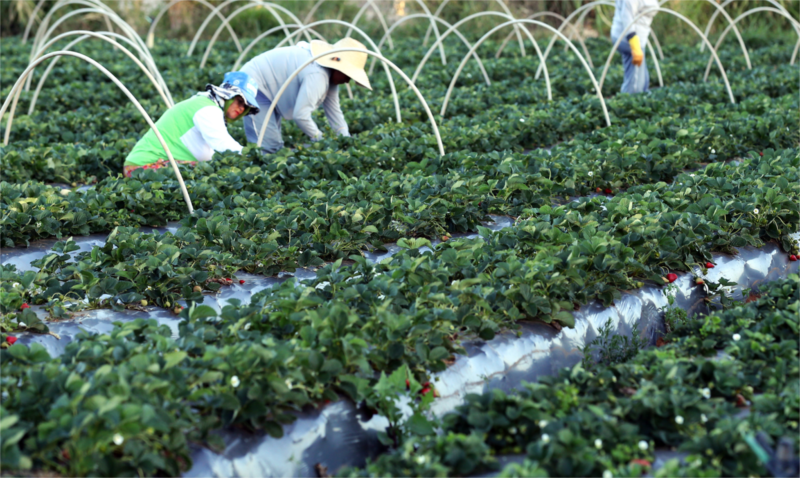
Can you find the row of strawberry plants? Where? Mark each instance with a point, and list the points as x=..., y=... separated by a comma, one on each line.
x=611, y=419
x=609, y=159
x=615, y=242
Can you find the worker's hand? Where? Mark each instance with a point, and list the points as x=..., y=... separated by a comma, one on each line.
x=636, y=50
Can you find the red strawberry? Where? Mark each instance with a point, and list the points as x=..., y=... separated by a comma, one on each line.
x=65, y=454
x=699, y=281
x=740, y=401
x=11, y=340
x=408, y=384
x=709, y=265
x=672, y=277
x=599, y=190
x=639, y=461
x=793, y=258
x=24, y=306
x=425, y=390
x=761, y=154
x=241, y=281
x=608, y=191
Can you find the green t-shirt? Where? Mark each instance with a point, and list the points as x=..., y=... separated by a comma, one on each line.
x=172, y=125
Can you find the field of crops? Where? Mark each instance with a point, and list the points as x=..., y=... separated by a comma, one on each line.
x=164, y=340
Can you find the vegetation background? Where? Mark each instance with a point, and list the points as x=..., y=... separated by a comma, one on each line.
x=184, y=17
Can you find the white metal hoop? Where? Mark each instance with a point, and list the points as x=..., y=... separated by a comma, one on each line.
x=533, y=22
x=381, y=19
x=447, y=25
x=721, y=9
x=454, y=27
x=737, y=20
x=503, y=7
x=226, y=22
x=151, y=32
x=101, y=36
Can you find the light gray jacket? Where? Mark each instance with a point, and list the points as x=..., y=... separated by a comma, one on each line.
x=309, y=90
x=626, y=11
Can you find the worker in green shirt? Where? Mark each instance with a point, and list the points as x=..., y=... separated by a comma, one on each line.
x=193, y=129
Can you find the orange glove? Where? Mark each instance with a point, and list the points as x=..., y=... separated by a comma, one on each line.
x=636, y=50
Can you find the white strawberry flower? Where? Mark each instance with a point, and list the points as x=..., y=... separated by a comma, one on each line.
x=703, y=417
x=118, y=439
x=755, y=211
x=706, y=392
x=591, y=174
x=235, y=381
x=608, y=474
x=598, y=443
x=545, y=438
x=643, y=445
x=736, y=337
x=679, y=420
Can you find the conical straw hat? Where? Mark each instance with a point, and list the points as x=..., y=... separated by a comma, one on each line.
x=351, y=63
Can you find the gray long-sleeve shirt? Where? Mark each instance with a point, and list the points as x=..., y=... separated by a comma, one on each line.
x=309, y=90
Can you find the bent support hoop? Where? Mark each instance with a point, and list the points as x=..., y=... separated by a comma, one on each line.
x=313, y=11
x=738, y=19
x=447, y=25
x=343, y=50
x=566, y=22
x=30, y=21
x=503, y=7
x=65, y=3
x=731, y=23
x=435, y=30
x=110, y=15
x=151, y=32
x=454, y=27
x=226, y=22
x=85, y=35
x=263, y=35
x=368, y=40
x=685, y=20
x=21, y=80
x=575, y=33
x=269, y=6
x=721, y=9
x=381, y=18
x=529, y=22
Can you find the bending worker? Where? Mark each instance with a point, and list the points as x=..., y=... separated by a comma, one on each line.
x=632, y=47
x=193, y=129
x=316, y=85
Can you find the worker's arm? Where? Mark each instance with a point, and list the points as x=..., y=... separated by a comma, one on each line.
x=211, y=123
x=643, y=11
x=334, y=112
x=636, y=49
x=311, y=92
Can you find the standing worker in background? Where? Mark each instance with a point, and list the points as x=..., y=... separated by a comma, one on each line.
x=632, y=47
x=195, y=128
x=316, y=85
